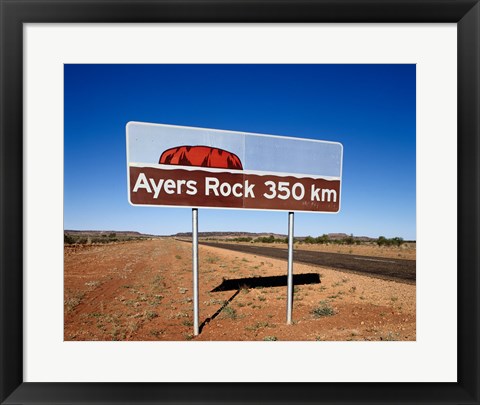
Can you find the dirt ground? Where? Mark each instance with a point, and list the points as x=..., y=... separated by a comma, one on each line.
x=143, y=291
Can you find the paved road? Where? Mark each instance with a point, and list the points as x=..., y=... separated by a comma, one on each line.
x=391, y=269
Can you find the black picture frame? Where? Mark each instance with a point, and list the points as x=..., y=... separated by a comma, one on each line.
x=14, y=13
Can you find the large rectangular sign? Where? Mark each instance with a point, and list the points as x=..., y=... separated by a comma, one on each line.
x=196, y=167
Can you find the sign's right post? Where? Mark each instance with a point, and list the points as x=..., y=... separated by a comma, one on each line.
x=196, y=328
x=290, y=269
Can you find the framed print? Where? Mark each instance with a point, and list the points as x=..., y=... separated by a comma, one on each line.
x=198, y=159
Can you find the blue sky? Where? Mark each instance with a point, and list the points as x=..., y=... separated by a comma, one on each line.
x=370, y=109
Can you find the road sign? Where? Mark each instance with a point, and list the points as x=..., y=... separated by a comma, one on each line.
x=197, y=167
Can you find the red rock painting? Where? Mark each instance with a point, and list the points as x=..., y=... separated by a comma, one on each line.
x=201, y=156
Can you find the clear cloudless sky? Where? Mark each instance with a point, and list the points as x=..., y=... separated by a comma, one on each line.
x=370, y=109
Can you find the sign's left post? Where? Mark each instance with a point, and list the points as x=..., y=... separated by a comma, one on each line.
x=195, y=269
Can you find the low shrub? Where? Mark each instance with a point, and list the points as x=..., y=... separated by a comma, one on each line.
x=322, y=310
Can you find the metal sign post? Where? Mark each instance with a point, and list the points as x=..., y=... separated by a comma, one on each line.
x=195, y=269
x=290, y=269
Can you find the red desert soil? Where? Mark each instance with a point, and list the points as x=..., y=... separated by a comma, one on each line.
x=143, y=291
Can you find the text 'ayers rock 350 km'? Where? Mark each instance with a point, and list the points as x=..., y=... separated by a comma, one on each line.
x=202, y=156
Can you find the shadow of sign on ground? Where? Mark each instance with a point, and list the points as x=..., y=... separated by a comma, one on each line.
x=257, y=282
x=262, y=282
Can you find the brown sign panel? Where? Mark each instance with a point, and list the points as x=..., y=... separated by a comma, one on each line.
x=198, y=167
x=201, y=188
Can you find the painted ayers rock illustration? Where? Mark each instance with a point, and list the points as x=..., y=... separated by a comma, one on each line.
x=202, y=156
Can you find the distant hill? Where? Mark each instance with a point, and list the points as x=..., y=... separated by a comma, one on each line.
x=71, y=236
x=110, y=235
x=100, y=233
x=340, y=236
x=234, y=235
x=228, y=235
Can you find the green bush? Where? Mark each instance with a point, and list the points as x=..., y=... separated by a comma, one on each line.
x=265, y=239
x=322, y=310
x=67, y=239
x=383, y=241
x=397, y=241
x=322, y=239
x=229, y=312
x=318, y=240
